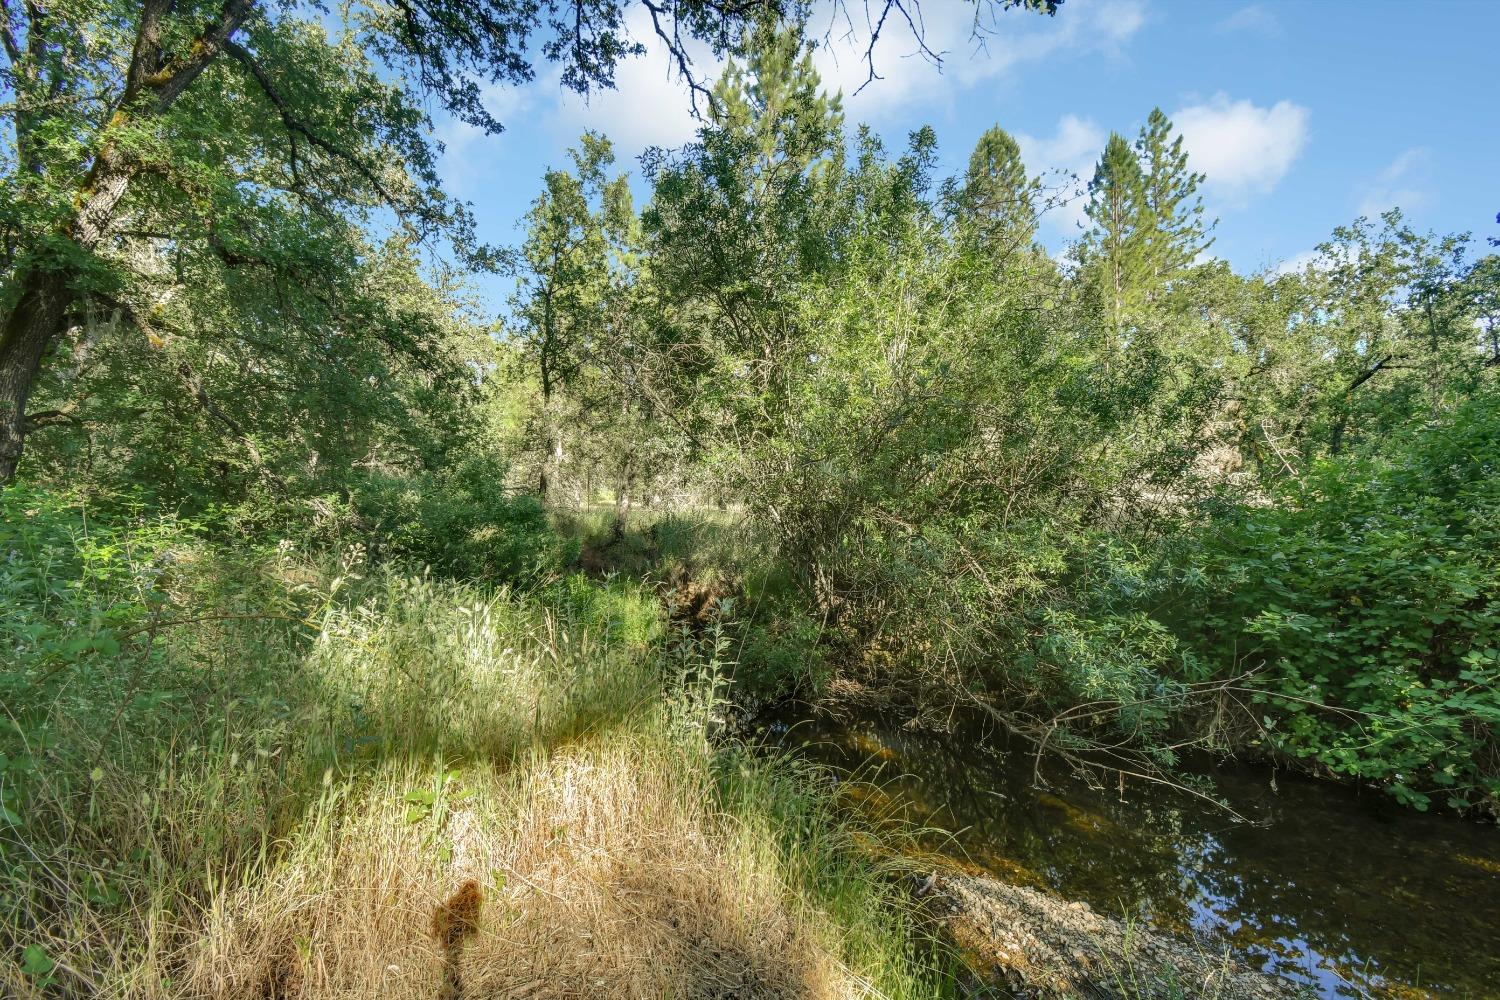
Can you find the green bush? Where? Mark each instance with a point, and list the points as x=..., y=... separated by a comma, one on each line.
x=67, y=589
x=780, y=653
x=1369, y=592
x=461, y=522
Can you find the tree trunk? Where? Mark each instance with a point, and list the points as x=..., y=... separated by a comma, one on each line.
x=549, y=441
x=40, y=314
x=33, y=324
x=622, y=501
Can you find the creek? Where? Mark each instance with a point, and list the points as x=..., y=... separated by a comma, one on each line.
x=1334, y=887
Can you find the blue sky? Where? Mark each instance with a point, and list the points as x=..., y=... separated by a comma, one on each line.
x=1302, y=113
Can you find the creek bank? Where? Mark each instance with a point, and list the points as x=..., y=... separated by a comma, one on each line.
x=1414, y=912
x=1018, y=941
x=1028, y=943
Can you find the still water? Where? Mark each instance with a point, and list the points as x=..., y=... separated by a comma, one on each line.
x=1336, y=888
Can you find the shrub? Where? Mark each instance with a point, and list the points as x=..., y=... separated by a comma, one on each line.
x=461, y=522
x=1369, y=592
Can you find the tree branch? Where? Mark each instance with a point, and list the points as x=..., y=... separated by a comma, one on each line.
x=678, y=53
x=295, y=127
x=8, y=35
x=168, y=81
x=1370, y=373
x=50, y=418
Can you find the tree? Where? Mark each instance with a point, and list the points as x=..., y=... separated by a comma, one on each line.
x=740, y=217
x=578, y=231
x=111, y=119
x=1482, y=288
x=1395, y=329
x=995, y=197
x=1174, y=234
x=1116, y=250
x=776, y=101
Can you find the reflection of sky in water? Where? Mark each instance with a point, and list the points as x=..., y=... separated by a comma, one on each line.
x=1343, y=892
x=1288, y=954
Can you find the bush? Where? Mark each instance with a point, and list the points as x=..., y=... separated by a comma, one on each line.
x=780, y=653
x=1369, y=592
x=461, y=522
x=74, y=587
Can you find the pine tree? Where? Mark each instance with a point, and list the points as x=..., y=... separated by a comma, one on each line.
x=1116, y=249
x=1175, y=232
x=996, y=197
x=777, y=100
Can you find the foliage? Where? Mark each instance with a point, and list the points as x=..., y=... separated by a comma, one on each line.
x=379, y=370
x=1367, y=597
x=85, y=598
x=912, y=404
x=460, y=522
x=233, y=159
x=969, y=462
x=619, y=611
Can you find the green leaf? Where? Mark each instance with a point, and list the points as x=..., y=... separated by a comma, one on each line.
x=36, y=962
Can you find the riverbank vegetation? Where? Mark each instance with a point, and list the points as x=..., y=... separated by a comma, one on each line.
x=336, y=612
x=1124, y=500
x=252, y=772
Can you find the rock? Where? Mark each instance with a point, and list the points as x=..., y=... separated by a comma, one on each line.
x=1040, y=946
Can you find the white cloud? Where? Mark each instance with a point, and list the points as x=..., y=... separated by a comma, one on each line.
x=972, y=51
x=1066, y=161
x=1076, y=142
x=1243, y=149
x=651, y=104
x=464, y=159
x=1324, y=259
x=1399, y=185
x=1253, y=18
x=1298, y=263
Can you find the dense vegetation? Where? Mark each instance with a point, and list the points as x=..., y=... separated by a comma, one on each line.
x=1124, y=492
x=315, y=576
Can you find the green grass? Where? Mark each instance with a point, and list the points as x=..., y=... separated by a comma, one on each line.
x=251, y=773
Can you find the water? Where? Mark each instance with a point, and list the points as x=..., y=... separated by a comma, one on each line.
x=1335, y=888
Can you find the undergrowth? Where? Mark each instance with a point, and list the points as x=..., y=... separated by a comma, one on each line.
x=257, y=772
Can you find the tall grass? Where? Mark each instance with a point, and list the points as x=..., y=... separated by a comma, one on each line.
x=262, y=776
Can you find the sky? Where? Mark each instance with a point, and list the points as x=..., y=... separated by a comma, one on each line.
x=1302, y=114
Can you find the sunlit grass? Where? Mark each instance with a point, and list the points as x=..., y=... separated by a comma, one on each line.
x=278, y=805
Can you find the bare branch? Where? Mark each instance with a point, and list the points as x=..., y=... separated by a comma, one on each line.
x=678, y=53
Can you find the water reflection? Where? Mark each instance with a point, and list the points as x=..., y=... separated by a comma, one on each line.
x=1337, y=889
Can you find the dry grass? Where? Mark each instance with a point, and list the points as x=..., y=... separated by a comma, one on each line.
x=445, y=793
x=602, y=873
